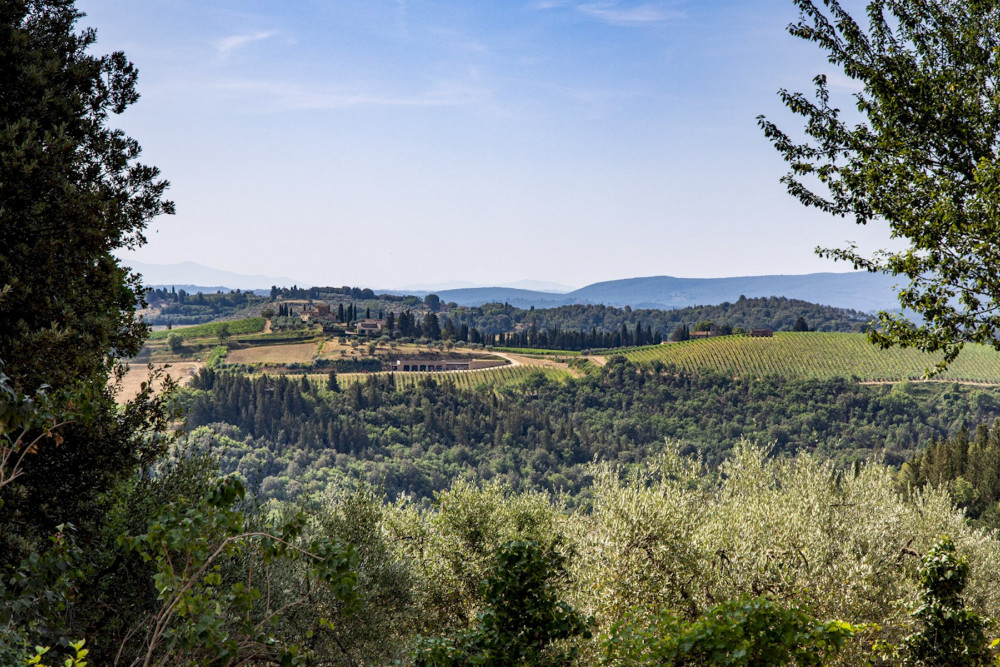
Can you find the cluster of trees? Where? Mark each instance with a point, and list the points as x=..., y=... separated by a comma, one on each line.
x=966, y=464
x=573, y=327
x=768, y=559
x=776, y=313
x=320, y=293
x=350, y=294
x=557, y=339
x=178, y=307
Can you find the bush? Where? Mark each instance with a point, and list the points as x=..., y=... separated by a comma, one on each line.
x=746, y=631
x=522, y=621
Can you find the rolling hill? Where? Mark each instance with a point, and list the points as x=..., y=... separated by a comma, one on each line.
x=856, y=290
x=817, y=355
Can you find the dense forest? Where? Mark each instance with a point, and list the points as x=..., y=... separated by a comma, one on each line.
x=968, y=464
x=286, y=435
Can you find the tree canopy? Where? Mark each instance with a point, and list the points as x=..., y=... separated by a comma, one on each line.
x=922, y=157
x=71, y=193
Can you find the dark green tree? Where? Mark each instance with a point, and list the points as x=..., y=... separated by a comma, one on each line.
x=448, y=331
x=950, y=634
x=430, y=327
x=800, y=325
x=522, y=622
x=921, y=159
x=72, y=192
x=745, y=631
x=433, y=301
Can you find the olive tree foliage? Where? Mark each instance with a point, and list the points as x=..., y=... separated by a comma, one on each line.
x=452, y=546
x=228, y=585
x=674, y=540
x=922, y=158
x=373, y=627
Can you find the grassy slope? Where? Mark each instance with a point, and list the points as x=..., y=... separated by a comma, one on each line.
x=235, y=327
x=822, y=355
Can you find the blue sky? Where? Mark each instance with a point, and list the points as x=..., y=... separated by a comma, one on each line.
x=395, y=142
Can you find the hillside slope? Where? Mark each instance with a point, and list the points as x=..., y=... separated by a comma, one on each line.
x=856, y=290
x=817, y=355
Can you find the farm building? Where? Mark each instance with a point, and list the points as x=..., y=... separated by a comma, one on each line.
x=417, y=365
x=317, y=311
x=761, y=333
x=371, y=327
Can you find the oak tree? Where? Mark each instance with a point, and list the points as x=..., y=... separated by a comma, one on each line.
x=920, y=155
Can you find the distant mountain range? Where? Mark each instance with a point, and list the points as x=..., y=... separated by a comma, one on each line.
x=194, y=277
x=529, y=285
x=857, y=290
x=860, y=291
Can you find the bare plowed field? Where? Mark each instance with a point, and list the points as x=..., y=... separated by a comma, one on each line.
x=296, y=353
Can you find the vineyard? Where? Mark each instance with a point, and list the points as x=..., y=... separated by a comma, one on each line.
x=490, y=378
x=820, y=355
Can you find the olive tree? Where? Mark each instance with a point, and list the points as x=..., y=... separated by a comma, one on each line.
x=920, y=156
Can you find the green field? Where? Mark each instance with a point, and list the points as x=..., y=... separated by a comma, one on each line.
x=820, y=355
x=249, y=325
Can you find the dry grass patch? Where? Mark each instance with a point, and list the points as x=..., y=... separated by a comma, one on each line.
x=182, y=372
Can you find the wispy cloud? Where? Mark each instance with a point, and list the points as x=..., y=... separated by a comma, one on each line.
x=615, y=12
x=620, y=14
x=228, y=45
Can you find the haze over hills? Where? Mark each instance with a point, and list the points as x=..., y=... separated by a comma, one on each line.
x=856, y=290
x=860, y=291
x=192, y=276
x=531, y=285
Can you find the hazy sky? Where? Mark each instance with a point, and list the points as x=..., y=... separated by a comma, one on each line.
x=394, y=142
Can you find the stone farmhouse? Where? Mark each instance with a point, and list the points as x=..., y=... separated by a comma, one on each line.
x=370, y=327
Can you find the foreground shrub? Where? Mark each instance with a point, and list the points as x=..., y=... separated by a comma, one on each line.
x=748, y=631
x=521, y=623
